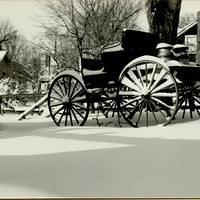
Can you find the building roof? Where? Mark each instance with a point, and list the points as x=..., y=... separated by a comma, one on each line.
x=186, y=28
x=10, y=67
x=2, y=55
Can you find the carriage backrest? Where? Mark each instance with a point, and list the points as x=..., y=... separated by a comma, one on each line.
x=133, y=40
x=91, y=64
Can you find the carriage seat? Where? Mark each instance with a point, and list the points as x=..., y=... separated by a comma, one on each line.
x=87, y=72
x=180, y=53
x=164, y=51
x=93, y=73
x=91, y=66
x=176, y=55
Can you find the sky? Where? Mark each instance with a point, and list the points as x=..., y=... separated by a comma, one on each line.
x=22, y=14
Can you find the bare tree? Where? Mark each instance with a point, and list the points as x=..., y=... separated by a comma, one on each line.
x=23, y=59
x=163, y=18
x=58, y=46
x=16, y=48
x=90, y=24
x=7, y=33
x=108, y=18
x=35, y=68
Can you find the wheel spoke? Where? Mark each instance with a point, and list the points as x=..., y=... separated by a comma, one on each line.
x=152, y=111
x=133, y=78
x=129, y=93
x=58, y=111
x=127, y=82
x=131, y=101
x=132, y=113
x=79, y=105
x=114, y=110
x=66, y=116
x=140, y=113
x=76, y=93
x=196, y=106
x=152, y=76
x=56, y=104
x=184, y=109
x=163, y=86
x=55, y=98
x=197, y=95
x=197, y=111
x=181, y=101
x=196, y=88
x=64, y=83
x=147, y=117
x=74, y=114
x=79, y=99
x=159, y=78
x=113, y=103
x=69, y=90
x=62, y=115
x=140, y=75
x=109, y=102
x=159, y=110
x=77, y=111
x=161, y=102
x=197, y=100
x=57, y=92
x=70, y=117
x=60, y=87
x=191, y=116
x=163, y=94
x=73, y=89
x=146, y=74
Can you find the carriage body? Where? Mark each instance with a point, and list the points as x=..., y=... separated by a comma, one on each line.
x=128, y=79
x=115, y=57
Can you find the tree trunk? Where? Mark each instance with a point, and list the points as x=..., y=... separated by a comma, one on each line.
x=163, y=19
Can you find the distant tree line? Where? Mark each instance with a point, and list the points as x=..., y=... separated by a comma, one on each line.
x=77, y=28
x=74, y=28
x=21, y=53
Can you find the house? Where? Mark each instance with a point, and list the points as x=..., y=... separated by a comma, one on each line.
x=11, y=69
x=14, y=73
x=3, y=64
x=190, y=36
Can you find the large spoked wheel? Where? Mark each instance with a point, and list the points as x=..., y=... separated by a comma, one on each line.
x=147, y=92
x=108, y=103
x=189, y=98
x=68, y=100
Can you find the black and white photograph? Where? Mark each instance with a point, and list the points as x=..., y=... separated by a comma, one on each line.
x=100, y=99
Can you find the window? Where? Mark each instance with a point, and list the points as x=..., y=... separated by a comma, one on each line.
x=191, y=43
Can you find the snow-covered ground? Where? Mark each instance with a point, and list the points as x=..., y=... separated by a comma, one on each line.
x=39, y=159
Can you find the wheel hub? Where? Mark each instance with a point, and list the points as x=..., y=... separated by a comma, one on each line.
x=65, y=100
x=146, y=93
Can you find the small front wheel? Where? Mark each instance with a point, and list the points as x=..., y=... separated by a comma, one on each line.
x=68, y=100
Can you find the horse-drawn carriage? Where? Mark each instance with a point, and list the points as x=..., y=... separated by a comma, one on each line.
x=128, y=80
